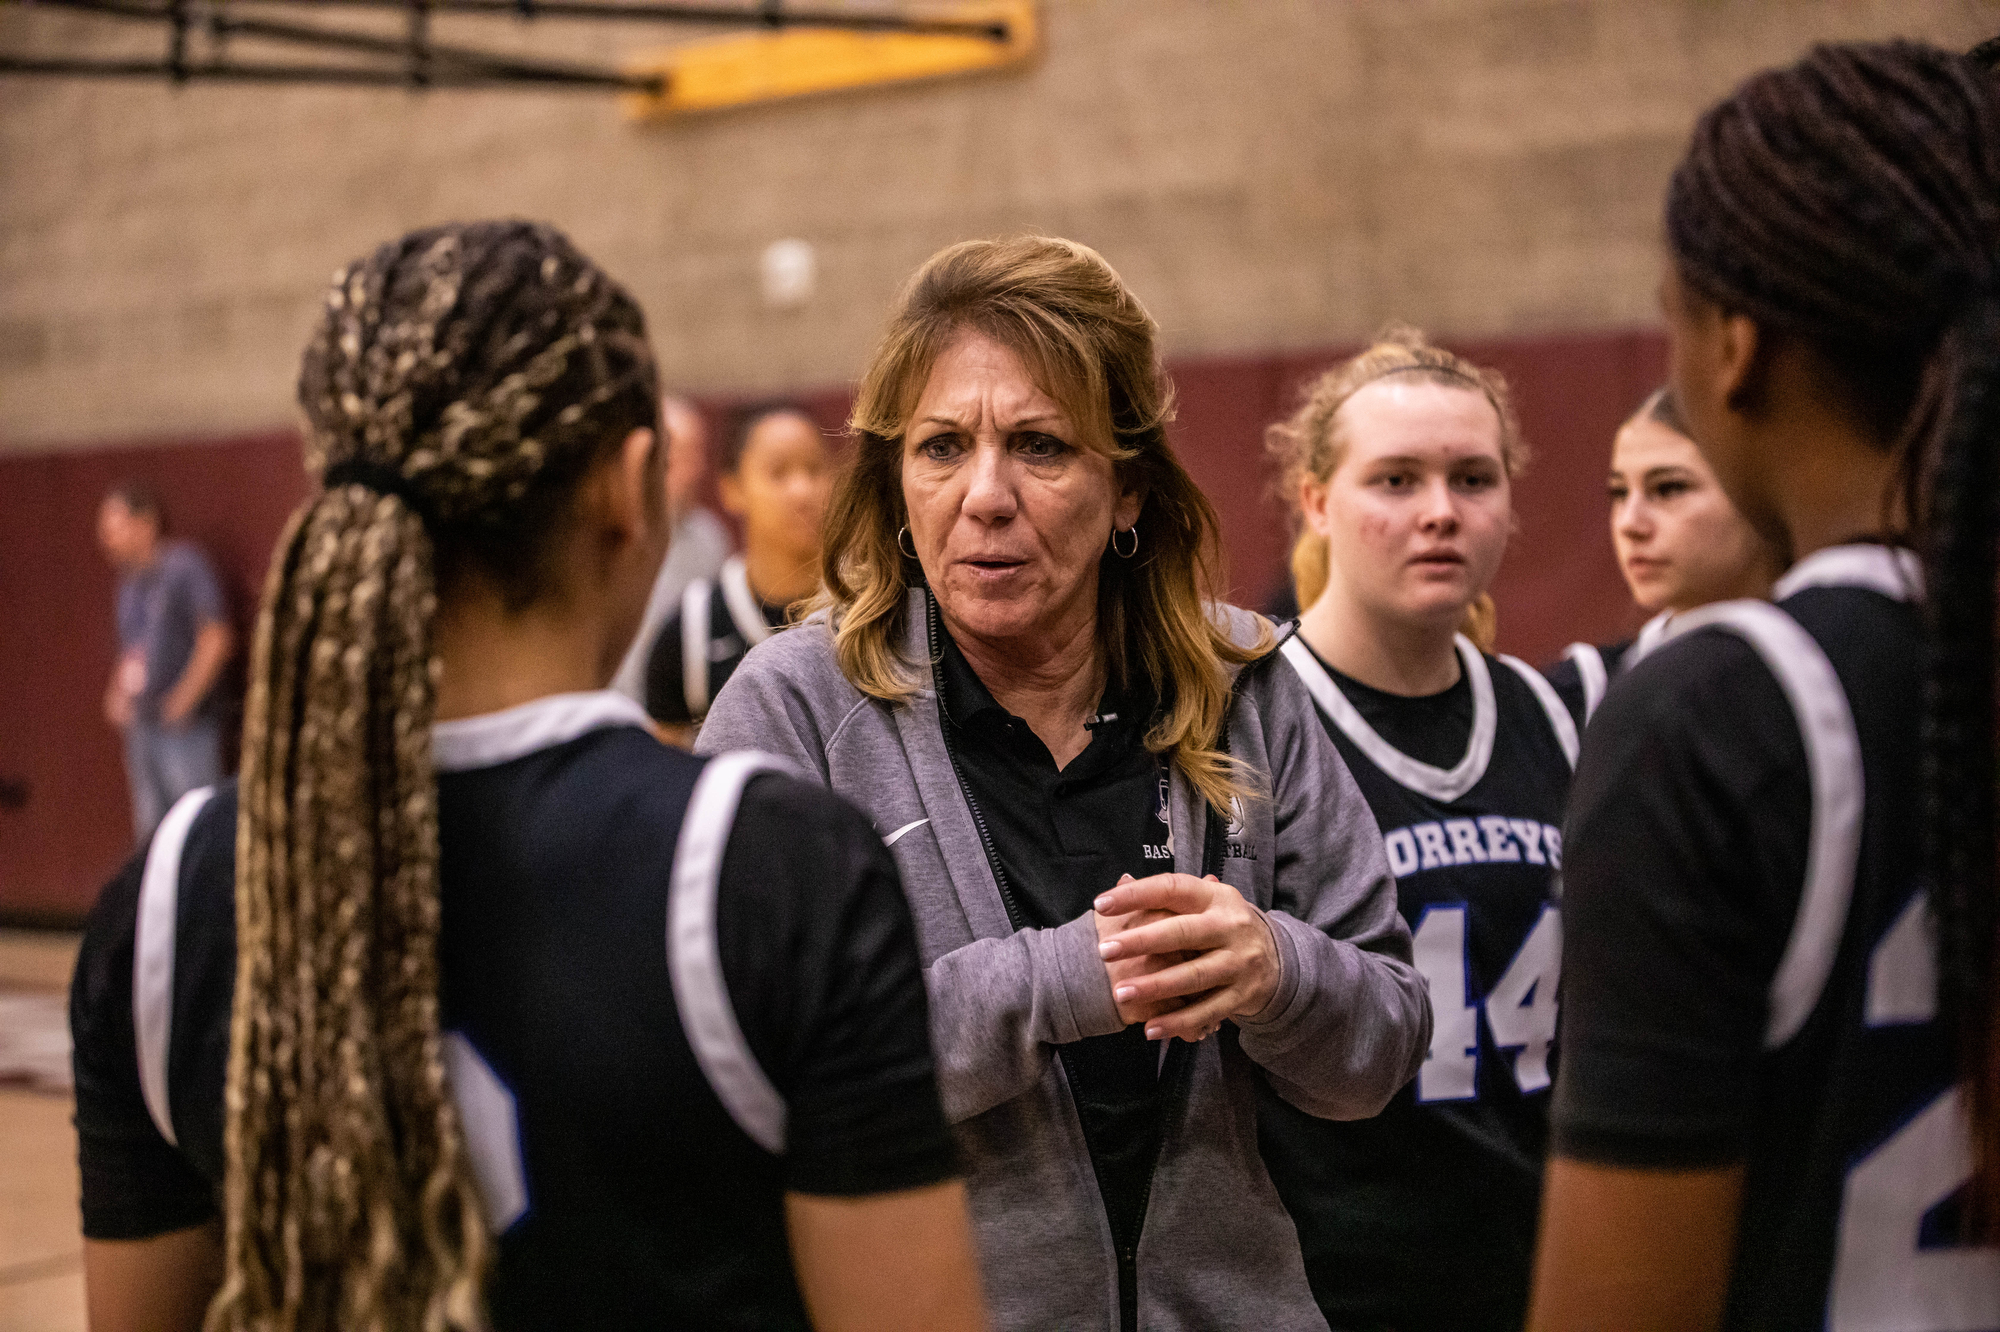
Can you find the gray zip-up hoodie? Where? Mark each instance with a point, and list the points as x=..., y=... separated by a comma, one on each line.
x=1348, y=1026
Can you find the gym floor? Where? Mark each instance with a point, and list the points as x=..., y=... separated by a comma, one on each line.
x=41, y=1255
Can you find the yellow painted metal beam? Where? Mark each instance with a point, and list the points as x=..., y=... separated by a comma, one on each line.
x=797, y=62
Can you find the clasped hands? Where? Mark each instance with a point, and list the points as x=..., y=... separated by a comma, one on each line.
x=1184, y=954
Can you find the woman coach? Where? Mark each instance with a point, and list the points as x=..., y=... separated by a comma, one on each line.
x=1017, y=677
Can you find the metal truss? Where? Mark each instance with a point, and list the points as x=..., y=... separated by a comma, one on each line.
x=414, y=60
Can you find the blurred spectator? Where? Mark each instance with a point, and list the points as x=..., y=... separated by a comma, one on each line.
x=777, y=476
x=173, y=641
x=700, y=542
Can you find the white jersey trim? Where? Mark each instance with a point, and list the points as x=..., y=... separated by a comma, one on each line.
x=694, y=958
x=153, y=955
x=1545, y=693
x=1895, y=573
x=1446, y=784
x=744, y=611
x=1590, y=671
x=1833, y=766
x=501, y=737
x=694, y=647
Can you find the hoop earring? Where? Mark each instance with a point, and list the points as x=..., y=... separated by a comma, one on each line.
x=903, y=535
x=1125, y=554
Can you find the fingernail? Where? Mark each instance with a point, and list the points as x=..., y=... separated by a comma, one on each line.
x=1125, y=878
x=1124, y=992
x=1152, y=1033
x=1102, y=903
x=1108, y=949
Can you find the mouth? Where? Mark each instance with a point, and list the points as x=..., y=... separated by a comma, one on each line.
x=992, y=566
x=1438, y=559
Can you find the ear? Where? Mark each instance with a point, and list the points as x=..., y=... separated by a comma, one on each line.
x=1741, y=357
x=1131, y=501
x=1312, y=504
x=629, y=496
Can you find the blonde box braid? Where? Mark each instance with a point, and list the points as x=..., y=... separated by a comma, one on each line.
x=459, y=384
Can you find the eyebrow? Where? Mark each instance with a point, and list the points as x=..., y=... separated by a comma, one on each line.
x=956, y=424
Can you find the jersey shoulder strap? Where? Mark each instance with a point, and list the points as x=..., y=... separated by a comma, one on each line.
x=153, y=954
x=744, y=612
x=694, y=646
x=694, y=960
x=1545, y=693
x=1590, y=669
x=1833, y=768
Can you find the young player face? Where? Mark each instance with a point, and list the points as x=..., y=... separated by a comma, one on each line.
x=781, y=486
x=1680, y=542
x=1417, y=512
x=1009, y=511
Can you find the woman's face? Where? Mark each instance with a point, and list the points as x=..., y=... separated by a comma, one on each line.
x=781, y=486
x=1417, y=513
x=1680, y=542
x=1009, y=512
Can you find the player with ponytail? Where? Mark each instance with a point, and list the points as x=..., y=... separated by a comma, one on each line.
x=401, y=1009
x=1780, y=1094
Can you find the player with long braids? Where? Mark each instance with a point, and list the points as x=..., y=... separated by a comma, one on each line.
x=1779, y=1104
x=473, y=1004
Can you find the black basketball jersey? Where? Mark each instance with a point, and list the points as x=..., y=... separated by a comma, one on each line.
x=660, y=1015
x=1424, y=1217
x=1585, y=670
x=1751, y=969
x=701, y=644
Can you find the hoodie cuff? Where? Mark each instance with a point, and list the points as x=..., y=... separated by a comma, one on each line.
x=1285, y=997
x=1084, y=1007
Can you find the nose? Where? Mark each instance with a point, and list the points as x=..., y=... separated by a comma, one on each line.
x=1634, y=520
x=1439, y=512
x=989, y=493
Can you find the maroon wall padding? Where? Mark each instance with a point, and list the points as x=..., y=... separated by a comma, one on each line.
x=232, y=496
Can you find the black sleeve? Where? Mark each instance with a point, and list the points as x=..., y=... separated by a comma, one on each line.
x=1568, y=683
x=666, y=690
x=820, y=955
x=1683, y=866
x=135, y=1183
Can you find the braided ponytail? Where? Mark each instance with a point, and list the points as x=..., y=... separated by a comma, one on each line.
x=1852, y=201
x=460, y=382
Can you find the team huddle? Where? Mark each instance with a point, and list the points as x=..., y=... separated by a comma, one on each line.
x=1030, y=940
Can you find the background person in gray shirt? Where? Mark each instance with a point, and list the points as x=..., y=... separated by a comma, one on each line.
x=174, y=639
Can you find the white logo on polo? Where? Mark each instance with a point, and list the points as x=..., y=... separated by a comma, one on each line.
x=897, y=835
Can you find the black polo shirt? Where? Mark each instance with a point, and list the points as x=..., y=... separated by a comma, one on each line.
x=1058, y=838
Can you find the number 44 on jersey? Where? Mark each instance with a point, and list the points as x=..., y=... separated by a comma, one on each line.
x=1520, y=1008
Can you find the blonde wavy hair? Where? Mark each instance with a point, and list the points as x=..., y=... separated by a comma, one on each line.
x=1089, y=344
x=1309, y=443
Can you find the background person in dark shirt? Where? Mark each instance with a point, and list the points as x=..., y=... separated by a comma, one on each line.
x=776, y=476
x=1680, y=544
x=1780, y=1092
x=173, y=641
x=681, y=1072
x=1402, y=461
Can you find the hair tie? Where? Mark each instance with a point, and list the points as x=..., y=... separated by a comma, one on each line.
x=381, y=479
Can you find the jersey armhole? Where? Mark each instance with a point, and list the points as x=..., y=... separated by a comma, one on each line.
x=1590, y=669
x=694, y=960
x=153, y=955
x=1545, y=693
x=1833, y=768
